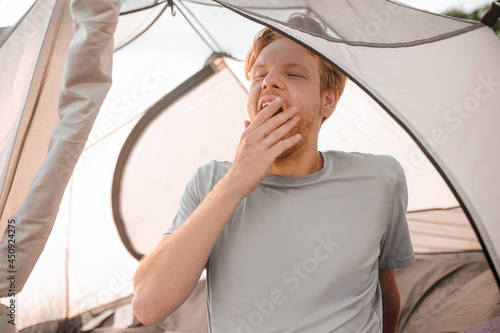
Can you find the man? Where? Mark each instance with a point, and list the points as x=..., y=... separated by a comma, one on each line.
x=294, y=240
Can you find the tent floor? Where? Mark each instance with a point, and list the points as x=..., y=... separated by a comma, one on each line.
x=439, y=293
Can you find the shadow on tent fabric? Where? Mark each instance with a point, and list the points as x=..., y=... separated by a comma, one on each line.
x=447, y=293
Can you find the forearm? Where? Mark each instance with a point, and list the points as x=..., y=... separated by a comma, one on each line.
x=391, y=301
x=166, y=277
x=391, y=309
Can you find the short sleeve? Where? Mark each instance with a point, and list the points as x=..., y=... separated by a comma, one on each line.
x=396, y=248
x=197, y=189
x=189, y=202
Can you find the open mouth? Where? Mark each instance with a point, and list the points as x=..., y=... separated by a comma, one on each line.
x=278, y=112
x=265, y=104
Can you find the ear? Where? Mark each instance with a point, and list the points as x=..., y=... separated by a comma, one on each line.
x=329, y=101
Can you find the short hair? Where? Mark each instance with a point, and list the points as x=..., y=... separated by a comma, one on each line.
x=330, y=77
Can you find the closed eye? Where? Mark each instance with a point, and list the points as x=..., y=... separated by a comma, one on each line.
x=259, y=76
x=295, y=75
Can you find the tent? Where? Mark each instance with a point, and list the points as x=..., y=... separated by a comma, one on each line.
x=108, y=108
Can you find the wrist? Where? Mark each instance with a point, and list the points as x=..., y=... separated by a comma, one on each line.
x=232, y=187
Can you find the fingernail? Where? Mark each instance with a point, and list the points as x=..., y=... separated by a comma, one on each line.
x=298, y=136
x=295, y=118
x=278, y=100
x=293, y=108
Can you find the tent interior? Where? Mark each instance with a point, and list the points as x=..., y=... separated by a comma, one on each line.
x=178, y=100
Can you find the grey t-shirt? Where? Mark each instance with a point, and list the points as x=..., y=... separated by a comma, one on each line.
x=302, y=254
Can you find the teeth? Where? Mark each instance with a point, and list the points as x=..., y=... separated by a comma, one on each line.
x=265, y=104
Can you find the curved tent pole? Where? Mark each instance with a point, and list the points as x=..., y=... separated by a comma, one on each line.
x=86, y=81
x=198, y=78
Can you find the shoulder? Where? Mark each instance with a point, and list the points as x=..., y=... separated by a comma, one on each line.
x=363, y=160
x=214, y=168
x=356, y=164
x=209, y=174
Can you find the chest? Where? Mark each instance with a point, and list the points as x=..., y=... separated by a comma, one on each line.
x=273, y=229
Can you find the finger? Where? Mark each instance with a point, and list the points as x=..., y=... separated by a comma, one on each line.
x=277, y=134
x=265, y=114
x=283, y=145
x=275, y=122
x=247, y=123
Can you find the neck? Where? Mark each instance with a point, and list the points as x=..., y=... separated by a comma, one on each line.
x=303, y=162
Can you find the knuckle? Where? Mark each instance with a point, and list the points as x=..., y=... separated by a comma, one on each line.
x=249, y=139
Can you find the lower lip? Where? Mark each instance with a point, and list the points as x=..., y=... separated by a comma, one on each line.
x=278, y=112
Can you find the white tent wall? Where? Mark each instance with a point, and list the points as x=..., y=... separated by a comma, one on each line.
x=85, y=264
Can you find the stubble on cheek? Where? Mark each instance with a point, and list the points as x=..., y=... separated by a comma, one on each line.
x=250, y=109
x=303, y=128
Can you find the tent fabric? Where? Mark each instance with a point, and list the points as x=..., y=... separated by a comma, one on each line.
x=447, y=293
x=86, y=81
x=27, y=83
x=441, y=231
x=30, y=83
x=132, y=25
x=131, y=6
x=405, y=97
x=377, y=24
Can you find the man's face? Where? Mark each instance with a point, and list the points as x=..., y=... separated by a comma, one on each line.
x=288, y=70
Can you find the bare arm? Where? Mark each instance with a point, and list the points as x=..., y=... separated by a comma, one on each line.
x=166, y=277
x=391, y=301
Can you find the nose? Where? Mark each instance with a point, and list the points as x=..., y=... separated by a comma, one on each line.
x=272, y=80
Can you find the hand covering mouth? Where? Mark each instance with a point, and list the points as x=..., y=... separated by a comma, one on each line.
x=265, y=104
x=277, y=112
